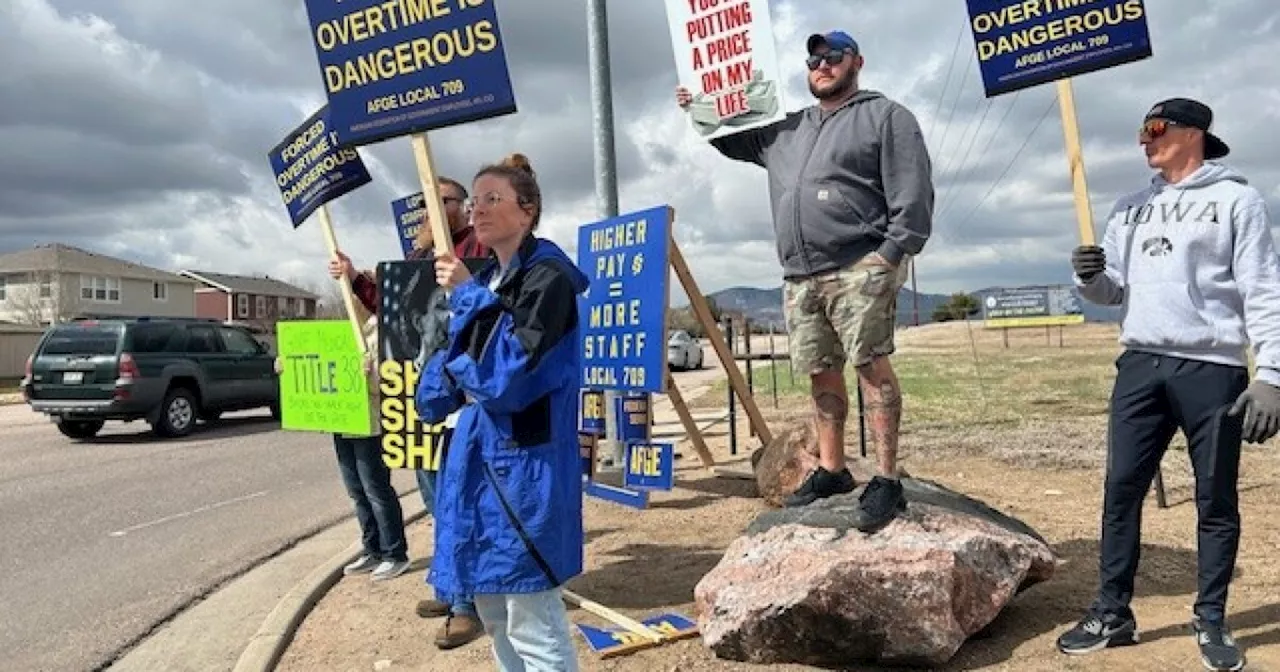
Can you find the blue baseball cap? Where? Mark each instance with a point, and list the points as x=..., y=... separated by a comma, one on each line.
x=834, y=40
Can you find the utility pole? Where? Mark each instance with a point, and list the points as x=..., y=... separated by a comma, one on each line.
x=606, y=172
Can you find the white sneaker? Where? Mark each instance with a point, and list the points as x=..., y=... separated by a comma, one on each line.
x=362, y=564
x=390, y=569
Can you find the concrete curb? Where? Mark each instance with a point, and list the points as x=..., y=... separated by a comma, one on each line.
x=273, y=637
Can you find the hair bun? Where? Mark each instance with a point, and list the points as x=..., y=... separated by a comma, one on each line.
x=519, y=162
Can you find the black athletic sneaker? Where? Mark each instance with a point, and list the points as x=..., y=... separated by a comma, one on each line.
x=1218, y=649
x=880, y=503
x=819, y=484
x=1096, y=632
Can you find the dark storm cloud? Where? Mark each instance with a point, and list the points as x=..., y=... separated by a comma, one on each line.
x=161, y=114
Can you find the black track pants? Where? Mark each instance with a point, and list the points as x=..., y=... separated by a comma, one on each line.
x=1153, y=397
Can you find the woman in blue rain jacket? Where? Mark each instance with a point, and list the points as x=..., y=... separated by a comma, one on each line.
x=509, y=502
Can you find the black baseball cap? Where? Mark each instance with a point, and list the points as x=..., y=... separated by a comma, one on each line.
x=1191, y=113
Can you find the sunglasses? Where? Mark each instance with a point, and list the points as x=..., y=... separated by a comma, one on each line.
x=832, y=58
x=1154, y=128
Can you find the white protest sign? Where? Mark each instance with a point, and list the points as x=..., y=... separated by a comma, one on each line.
x=726, y=58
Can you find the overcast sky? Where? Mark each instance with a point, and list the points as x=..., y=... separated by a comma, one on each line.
x=140, y=128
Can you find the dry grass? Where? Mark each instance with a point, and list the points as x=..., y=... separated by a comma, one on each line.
x=1038, y=399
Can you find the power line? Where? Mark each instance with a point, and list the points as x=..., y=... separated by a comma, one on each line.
x=955, y=103
x=986, y=148
x=964, y=157
x=1048, y=108
x=946, y=83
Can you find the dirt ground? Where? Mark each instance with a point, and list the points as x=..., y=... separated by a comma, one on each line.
x=1036, y=455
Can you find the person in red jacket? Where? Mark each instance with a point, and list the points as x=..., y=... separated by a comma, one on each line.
x=465, y=245
x=461, y=624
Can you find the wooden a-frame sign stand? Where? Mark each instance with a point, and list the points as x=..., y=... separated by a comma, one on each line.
x=644, y=637
x=702, y=312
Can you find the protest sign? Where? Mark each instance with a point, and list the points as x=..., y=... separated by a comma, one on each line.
x=1023, y=43
x=726, y=58
x=408, y=213
x=649, y=466
x=413, y=323
x=323, y=387
x=613, y=641
x=397, y=68
x=625, y=305
x=401, y=68
x=311, y=170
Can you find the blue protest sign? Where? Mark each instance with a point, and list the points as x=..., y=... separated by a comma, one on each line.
x=632, y=412
x=395, y=68
x=311, y=170
x=649, y=466
x=1022, y=44
x=591, y=412
x=672, y=626
x=624, y=335
x=409, y=213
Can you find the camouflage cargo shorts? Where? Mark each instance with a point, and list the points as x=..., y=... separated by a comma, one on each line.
x=844, y=315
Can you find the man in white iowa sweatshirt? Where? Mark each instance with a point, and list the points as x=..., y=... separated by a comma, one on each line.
x=1191, y=260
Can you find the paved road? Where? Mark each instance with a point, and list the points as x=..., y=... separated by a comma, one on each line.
x=104, y=540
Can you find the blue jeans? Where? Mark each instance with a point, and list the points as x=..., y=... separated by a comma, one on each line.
x=458, y=604
x=530, y=631
x=368, y=482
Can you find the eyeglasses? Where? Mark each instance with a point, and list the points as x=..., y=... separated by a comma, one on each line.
x=832, y=58
x=489, y=200
x=1154, y=128
x=450, y=199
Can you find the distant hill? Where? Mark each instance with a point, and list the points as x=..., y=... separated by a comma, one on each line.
x=764, y=306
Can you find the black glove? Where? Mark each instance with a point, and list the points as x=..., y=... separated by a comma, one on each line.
x=1261, y=407
x=1088, y=261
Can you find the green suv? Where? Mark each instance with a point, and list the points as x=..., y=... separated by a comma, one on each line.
x=167, y=371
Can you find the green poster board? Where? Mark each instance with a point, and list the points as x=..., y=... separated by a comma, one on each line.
x=322, y=383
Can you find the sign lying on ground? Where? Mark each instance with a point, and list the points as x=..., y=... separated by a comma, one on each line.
x=413, y=323
x=605, y=641
x=312, y=170
x=624, y=338
x=1024, y=43
x=726, y=58
x=408, y=213
x=396, y=68
x=322, y=382
x=1031, y=307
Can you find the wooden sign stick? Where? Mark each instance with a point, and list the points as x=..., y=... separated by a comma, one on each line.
x=441, y=237
x=606, y=613
x=1075, y=160
x=348, y=296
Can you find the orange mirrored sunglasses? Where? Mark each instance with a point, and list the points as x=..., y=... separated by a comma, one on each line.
x=1154, y=128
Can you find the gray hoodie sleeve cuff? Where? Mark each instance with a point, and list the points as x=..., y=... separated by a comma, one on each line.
x=891, y=252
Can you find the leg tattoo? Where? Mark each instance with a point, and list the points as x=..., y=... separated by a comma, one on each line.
x=882, y=399
x=831, y=406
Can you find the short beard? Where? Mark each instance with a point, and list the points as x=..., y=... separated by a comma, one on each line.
x=835, y=90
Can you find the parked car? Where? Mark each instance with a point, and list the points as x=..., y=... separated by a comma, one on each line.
x=169, y=372
x=683, y=351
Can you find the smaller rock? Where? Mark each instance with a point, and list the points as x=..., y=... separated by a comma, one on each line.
x=782, y=465
x=382, y=665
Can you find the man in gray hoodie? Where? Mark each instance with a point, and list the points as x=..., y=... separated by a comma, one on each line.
x=1192, y=261
x=850, y=185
